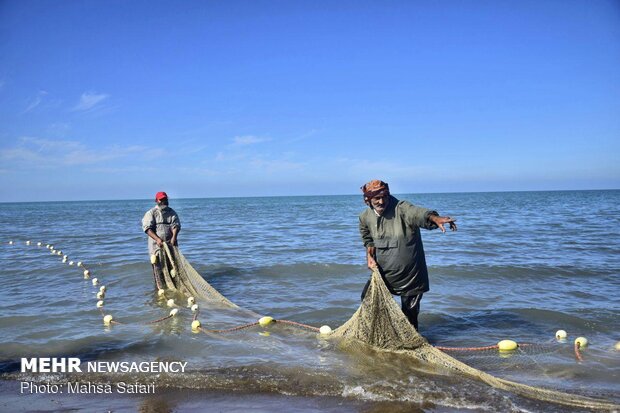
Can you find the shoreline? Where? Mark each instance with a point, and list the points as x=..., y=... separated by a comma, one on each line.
x=189, y=400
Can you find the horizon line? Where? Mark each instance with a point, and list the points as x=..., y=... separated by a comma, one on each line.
x=315, y=195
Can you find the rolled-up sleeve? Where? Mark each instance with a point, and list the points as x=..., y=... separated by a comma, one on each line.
x=148, y=221
x=175, y=222
x=365, y=233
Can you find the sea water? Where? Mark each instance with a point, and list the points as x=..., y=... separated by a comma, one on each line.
x=521, y=266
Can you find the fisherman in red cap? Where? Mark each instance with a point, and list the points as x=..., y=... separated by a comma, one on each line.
x=390, y=230
x=161, y=223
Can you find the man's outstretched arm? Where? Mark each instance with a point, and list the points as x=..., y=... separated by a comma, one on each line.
x=441, y=221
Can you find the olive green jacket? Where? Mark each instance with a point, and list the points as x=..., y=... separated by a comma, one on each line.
x=399, y=249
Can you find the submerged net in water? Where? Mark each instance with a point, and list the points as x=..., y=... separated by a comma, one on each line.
x=378, y=322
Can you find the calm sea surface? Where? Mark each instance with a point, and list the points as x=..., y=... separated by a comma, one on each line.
x=521, y=266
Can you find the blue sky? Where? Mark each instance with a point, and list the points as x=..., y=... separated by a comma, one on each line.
x=121, y=99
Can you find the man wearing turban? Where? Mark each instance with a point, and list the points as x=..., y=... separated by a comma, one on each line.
x=390, y=230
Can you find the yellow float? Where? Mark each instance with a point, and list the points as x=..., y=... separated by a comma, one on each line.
x=507, y=345
x=265, y=321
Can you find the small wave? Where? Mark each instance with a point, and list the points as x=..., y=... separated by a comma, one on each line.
x=512, y=272
x=418, y=390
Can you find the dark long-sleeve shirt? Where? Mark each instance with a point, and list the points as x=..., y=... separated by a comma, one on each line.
x=399, y=250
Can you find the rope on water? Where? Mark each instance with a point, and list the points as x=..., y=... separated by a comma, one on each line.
x=467, y=348
x=229, y=330
x=245, y=326
x=577, y=352
x=483, y=348
x=296, y=324
x=159, y=319
x=146, y=322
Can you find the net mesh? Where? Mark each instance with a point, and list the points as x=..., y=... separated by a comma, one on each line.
x=186, y=279
x=380, y=323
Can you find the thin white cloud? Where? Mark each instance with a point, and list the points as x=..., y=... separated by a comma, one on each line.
x=190, y=149
x=379, y=166
x=32, y=152
x=33, y=104
x=256, y=163
x=47, y=145
x=303, y=136
x=59, y=129
x=153, y=153
x=228, y=157
x=20, y=155
x=36, y=101
x=236, y=151
x=85, y=156
x=276, y=165
x=248, y=140
x=125, y=170
x=200, y=171
x=90, y=100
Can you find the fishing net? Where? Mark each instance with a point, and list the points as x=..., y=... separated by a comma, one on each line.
x=378, y=322
x=180, y=275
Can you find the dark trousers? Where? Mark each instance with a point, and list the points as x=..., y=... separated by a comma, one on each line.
x=410, y=304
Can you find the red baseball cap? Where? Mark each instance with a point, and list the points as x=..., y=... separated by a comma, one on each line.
x=161, y=195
